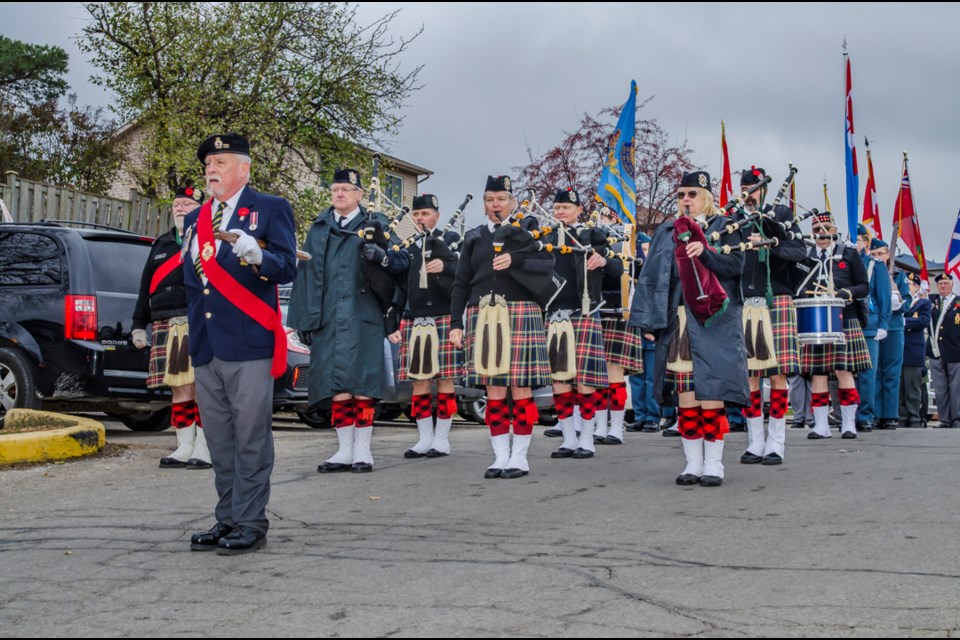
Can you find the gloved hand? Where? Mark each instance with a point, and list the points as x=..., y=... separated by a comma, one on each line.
x=139, y=338
x=881, y=334
x=246, y=248
x=372, y=252
x=896, y=301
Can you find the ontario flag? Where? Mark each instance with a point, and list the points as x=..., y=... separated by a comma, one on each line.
x=726, y=181
x=952, y=265
x=850, y=153
x=871, y=210
x=905, y=221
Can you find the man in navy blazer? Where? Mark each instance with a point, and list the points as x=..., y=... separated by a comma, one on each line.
x=237, y=341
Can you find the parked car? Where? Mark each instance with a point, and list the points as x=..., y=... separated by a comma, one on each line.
x=66, y=304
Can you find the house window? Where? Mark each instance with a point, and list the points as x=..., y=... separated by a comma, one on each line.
x=393, y=188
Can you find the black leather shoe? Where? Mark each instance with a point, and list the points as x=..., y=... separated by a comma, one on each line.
x=771, y=459
x=582, y=454
x=171, y=463
x=711, y=481
x=599, y=439
x=813, y=435
x=333, y=467
x=865, y=426
x=848, y=435
x=562, y=452
x=750, y=458
x=361, y=467
x=888, y=425
x=832, y=419
x=667, y=423
x=492, y=473
x=207, y=540
x=410, y=453
x=197, y=463
x=636, y=426
x=670, y=433
x=612, y=440
x=242, y=540
x=509, y=474
x=688, y=479
x=798, y=424
x=433, y=453
x=553, y=433
x=650, y=428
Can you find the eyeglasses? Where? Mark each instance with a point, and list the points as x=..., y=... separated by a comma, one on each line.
x=686, y=194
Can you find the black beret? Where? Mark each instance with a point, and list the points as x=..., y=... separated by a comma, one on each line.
x=223, y=143
x=500, y=183
x=347, y=176
x=913, y=277
x=189, y=192
x=426, y=201
x=568, y=196
x=943, y=277
x=752, y=176
x=696, y=179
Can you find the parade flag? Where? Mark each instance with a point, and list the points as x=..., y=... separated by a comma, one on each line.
x=618, y=187
x=871, y=209
x=905, y=221
x=726, y=181
x=850, y=149
x=952, y=263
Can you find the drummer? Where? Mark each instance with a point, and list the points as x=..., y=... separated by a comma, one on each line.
x=836, y=271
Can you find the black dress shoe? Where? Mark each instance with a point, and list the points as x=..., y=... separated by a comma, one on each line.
x=865, y=426
x=612, y=440
x=600, y=440
x=242, y=540
x=562, y=452
x=492, y=473
x=433, y=453
x=688, y=479
x=361, y=467
x=509, y=474
x=582, y=454
x=813, y=435
x=636, y=426
x=207, y=540
x=197, y=463
x=771, y=459
x=410, y=453
x=333, y=467
x=889, y=425
x=650, y=428
x=750, y=458
x=798, y=424
x=171, y=463
x=671, y=433
x=849, y=435
x=711, y=481
x=553, y=433
x=667, y=423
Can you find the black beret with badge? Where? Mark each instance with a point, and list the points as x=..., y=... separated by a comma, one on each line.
x=696, y=179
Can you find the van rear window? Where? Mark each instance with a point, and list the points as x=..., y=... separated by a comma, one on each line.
x=117, y=266
x=30, y=259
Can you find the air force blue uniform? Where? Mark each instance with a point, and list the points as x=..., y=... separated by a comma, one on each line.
x=878, y=305
x=887, y=400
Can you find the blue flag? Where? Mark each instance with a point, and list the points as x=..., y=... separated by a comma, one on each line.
x=953, y=253
x=850, y=156
x=618, y=187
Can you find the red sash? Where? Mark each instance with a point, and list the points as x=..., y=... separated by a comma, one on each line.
x=165, y=269
x=238, y=295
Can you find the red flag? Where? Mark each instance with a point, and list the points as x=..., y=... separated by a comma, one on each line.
x=905, y=221
x=792, y=198
x=726, y=182
x=871, y=209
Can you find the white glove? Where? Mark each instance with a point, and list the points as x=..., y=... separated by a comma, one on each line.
x=139, y=338
x=897, y=301
x=881, y=334
x=246, y=248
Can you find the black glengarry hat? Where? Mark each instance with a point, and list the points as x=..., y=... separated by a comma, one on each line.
x=223, y=143
x=193, y=193
x=568, y=196
x=500, y=183
x=696, y=179
x=752, y=176
x=426, y=201
x=347, y=176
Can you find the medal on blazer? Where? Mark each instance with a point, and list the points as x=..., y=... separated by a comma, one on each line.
x=254, y=216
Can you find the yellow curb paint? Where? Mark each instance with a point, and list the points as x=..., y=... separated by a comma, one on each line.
x=78, y=437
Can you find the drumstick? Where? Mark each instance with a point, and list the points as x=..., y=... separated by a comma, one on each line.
x=231, y=237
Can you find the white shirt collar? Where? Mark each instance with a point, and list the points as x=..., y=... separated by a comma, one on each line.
x=349, y=217
x=491, y=225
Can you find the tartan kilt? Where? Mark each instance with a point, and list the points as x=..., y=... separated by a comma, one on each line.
x=681, y=382
x=590, y=357
x=158, y=355
x=451, y=358
x=783, y=317
x=529, y=365
x=824, y=359
x=622, y=345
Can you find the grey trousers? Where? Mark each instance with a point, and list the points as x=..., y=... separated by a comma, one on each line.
x=946, y=384
x=911, y=384
x=236, y=407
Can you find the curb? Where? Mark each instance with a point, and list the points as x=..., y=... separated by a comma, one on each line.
x=77, y=437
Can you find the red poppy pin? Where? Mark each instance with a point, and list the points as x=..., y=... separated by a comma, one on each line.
x=243, y=213
x=189, y=191
x=842, y=264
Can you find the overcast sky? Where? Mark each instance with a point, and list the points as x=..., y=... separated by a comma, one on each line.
x=498, y=78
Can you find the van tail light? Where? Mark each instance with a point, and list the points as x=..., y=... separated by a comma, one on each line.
x=81, y=318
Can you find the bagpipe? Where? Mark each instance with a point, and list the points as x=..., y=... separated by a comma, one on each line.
x=376, y=279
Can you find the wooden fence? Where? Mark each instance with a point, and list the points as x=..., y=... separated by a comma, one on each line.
x=30, y=201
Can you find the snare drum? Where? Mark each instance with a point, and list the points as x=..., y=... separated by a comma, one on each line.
x=819, y=320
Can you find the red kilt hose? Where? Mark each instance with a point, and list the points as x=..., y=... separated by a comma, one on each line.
x=783, y=318
x=590, y=356
x=623, y=345
x=529, y=364
x=451, y=358
x=824, y=359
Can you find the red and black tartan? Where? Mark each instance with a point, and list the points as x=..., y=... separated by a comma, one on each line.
x=590, y=357
x=529, y=365
x=778, y=403
x=364, y=409
x=588, y=405
x=343, y=413
x=525, y=415
x=848, y=397
x=564, y=403
x=622, y=344
x=158, y=355
x=421, y=406
x=497, y=417
x=783, y=319
x=181, y=414
x=824, y=359
x=688, y=423
x=446, y=405
x=714, y=424
x=616, y=397
x=450, y=358
x=755, y=410
x=681, y=382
